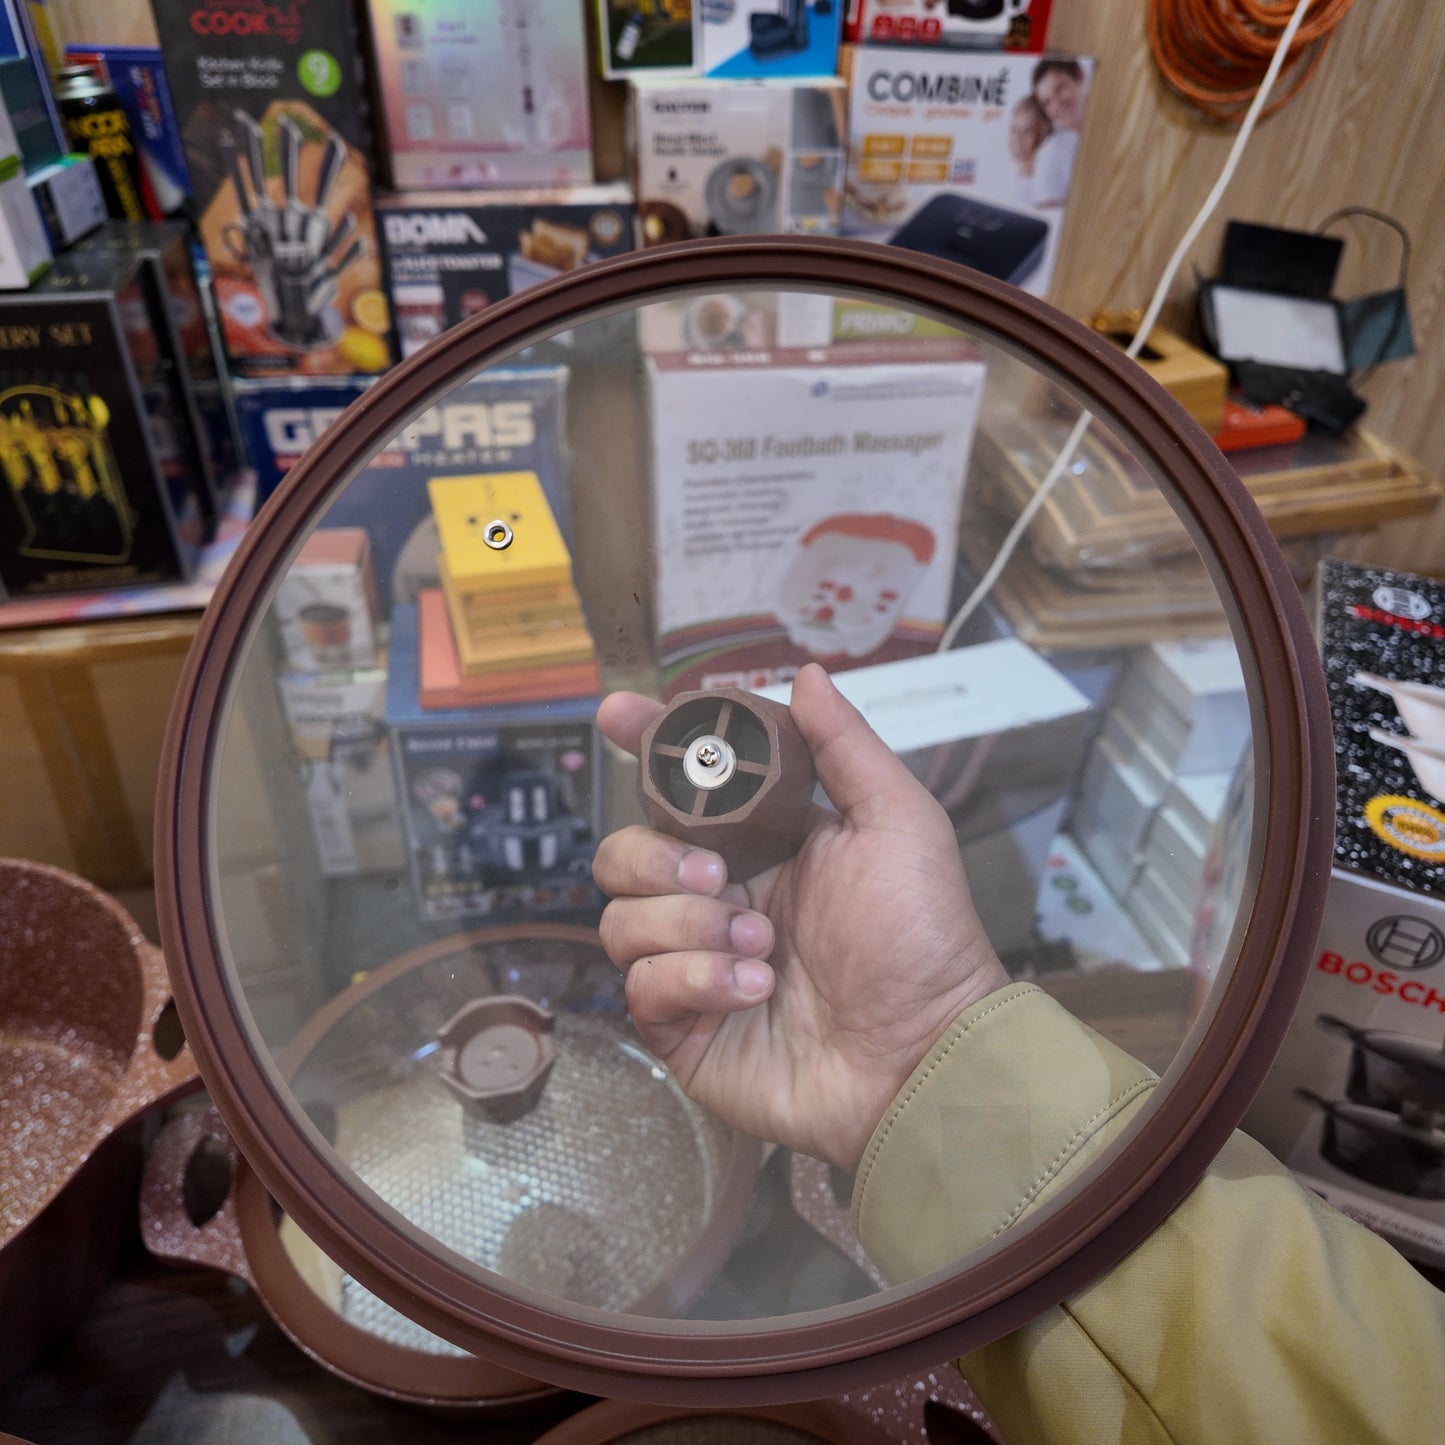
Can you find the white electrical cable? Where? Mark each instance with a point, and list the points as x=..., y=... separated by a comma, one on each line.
x=1141, y=335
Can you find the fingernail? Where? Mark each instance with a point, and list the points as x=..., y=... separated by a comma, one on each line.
x=699, y=871
x=750, y=935
x=752, y=979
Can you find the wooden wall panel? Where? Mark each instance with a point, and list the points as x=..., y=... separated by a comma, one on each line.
x=1368, y=129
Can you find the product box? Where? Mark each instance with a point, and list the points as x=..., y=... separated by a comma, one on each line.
x=483, y=94
x=24, y=245
x=281, y=416
x=806, y=505
x=719, y=40
x=138, y=77
x=1018, y=25
x=326, y=605
x=737, y=158
x=203, y=374
x=968, y=157
x=997, y=734
x=273, y=120
x=67, y=195
x=499, y=805
x=31, y=109
x=338, y=729
x=449, y=254
x=101, y=480
x=1355, y=1103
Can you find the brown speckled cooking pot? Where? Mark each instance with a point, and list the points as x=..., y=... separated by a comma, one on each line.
x=83, y=997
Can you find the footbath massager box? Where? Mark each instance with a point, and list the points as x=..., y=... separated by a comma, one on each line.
x=806, y=505
x=951, y=153
x=1355, y=1103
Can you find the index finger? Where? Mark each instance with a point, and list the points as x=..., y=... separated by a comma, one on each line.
x=625, y=716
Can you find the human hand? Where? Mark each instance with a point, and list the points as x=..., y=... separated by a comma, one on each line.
x=795, y=1004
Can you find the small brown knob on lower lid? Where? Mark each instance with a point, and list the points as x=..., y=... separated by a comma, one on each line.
x=495, y=1055
x=729, y=771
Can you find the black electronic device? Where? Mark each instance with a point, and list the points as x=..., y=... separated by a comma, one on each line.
x=1004, y=244
x=773, y=33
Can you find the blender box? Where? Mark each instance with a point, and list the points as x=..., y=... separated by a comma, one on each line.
x=483, y=94
x=101, y=484
x=499, y=805
x=137, y=75
x=338, y=731
x=953, y=154
x=715, y=158
x=1355, y=1103
x=272, y=109
x=806, y=505
x=449, y=254
x=326, y=604
x=1019, y=25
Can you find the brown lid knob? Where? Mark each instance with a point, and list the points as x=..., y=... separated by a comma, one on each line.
x=728, y=770
x=495, y=1055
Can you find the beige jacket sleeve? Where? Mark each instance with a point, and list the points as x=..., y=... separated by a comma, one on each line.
x=1254, y=1313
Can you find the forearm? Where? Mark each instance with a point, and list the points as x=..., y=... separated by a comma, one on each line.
x=1254, y=1313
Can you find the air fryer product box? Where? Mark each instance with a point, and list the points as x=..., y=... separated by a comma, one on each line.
x=1019, y=25
x=1355, y=1103
x=806, y=506
x=68, y=197
x=490, y=93
x=450, y=254
x=964, y=156
x=503, y=421
x=499, y=805
x=718, y=158
x=273, y=119
x=137, y=75
x=100, y=484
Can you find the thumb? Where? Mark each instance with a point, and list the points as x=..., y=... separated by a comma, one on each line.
x=865, y=779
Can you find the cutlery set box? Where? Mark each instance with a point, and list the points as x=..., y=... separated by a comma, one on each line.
x=103, y=484
x=1355, y=1104
x=272, y=110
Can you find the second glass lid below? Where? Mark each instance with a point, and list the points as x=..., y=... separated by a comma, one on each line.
x=411, y=731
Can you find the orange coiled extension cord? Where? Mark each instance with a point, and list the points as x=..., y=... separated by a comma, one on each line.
x=1215, y=52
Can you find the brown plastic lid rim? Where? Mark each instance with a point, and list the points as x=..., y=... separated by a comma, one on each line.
x=801, y=1357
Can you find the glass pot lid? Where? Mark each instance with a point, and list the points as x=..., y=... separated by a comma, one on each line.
x=694, y=470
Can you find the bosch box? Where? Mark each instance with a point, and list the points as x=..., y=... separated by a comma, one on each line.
x=499, y=805
x=449, y=254
x=272, y=107
x=101, y=479
x=1355, y=1104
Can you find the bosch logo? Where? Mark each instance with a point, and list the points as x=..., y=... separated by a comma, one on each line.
x=1405, y=942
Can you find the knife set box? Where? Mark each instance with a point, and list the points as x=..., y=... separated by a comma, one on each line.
x=1355, y=1103
x=104, y=484
x=272, y=112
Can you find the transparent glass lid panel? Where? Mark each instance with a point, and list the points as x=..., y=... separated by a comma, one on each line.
x=709, y=492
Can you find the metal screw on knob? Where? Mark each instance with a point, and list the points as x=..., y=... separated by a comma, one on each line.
x=498, y=536
x=709, y=762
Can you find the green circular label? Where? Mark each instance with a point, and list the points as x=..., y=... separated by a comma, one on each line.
x=319, y=72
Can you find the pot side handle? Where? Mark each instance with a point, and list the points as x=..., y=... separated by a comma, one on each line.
x=166, y=1224
x=150, y=1077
